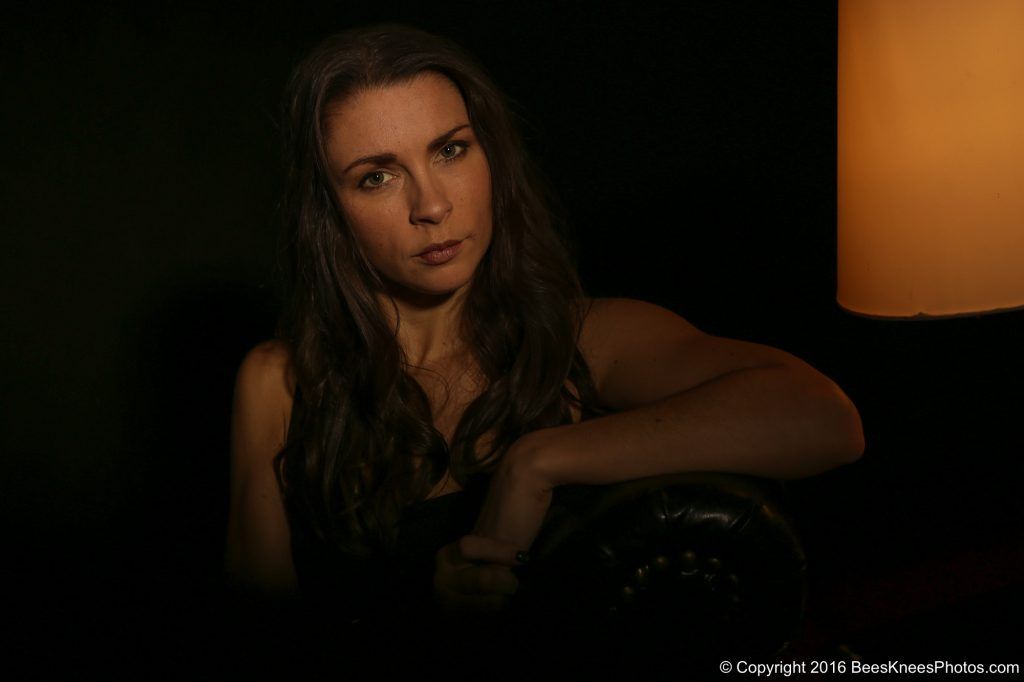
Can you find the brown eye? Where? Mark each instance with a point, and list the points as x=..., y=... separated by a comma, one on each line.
x=452, y=150
x=374, y=180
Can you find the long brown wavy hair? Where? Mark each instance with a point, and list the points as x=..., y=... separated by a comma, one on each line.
x=347, y=468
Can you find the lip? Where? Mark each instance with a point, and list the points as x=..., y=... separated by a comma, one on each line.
x=436, y=254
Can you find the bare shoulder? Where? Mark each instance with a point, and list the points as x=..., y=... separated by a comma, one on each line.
x=268, y=367
x=627, y=315
x=613, y=324
x=271, y=362
x=264, y=391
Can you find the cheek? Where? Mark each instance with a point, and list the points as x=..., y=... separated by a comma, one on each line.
x=478, y=187
x=372, y=227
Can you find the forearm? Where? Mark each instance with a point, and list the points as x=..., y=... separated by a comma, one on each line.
x=780, y=421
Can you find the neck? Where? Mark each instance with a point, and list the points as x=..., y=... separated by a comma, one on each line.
x=427, y=327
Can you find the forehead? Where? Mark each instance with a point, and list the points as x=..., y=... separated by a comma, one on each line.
x=400, y=117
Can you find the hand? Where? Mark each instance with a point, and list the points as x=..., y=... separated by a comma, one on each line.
x=518, y=497
x=474, y=575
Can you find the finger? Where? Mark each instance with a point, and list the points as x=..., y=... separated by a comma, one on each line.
x=485, y=580
x=479, y=548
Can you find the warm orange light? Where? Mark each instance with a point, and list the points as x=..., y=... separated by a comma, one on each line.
x=931, y=156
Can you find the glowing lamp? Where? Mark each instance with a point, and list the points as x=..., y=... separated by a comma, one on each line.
x=930, y=157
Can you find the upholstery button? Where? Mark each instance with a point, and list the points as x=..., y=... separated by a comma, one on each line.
x=661, y=562
x=714, y=565
x=688, y=559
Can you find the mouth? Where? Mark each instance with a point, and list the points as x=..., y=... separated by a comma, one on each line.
x=439, y=246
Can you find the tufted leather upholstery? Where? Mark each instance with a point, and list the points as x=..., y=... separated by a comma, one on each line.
x=685, y=569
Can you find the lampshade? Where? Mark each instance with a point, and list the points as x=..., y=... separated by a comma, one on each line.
x=930, y=157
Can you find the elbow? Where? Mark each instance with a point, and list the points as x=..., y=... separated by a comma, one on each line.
x=836, y=444
x=835, y=422
x=857, y=440
x=851, y=447
x=846, y=429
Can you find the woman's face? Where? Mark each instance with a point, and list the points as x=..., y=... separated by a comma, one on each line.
x=411, y=175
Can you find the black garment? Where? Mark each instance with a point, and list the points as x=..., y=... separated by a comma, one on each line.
x=341, y=589
x=361, y=591
x=379, y=614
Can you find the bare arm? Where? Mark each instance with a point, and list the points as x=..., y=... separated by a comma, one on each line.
x=687, y=401
x=257, y=557
x=690, y=401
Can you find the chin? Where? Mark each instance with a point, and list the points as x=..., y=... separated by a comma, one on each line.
x=430, y=290
x=444, y=291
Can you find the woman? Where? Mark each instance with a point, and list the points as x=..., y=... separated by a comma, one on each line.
x=436, y=344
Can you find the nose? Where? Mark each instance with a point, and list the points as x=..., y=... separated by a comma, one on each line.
x=429, y=203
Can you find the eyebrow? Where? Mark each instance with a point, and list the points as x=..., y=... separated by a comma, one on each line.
x=389, y=157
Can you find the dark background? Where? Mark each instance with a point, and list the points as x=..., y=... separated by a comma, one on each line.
x=693, y=145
